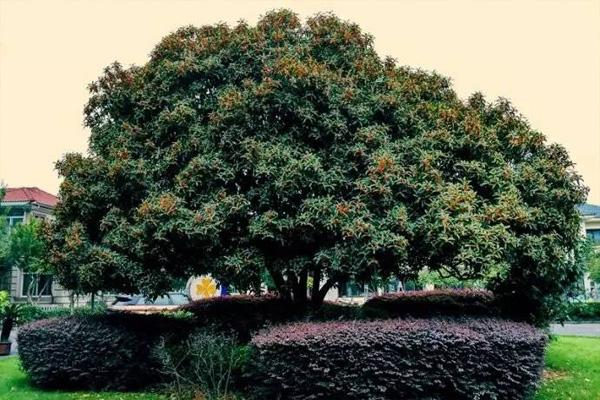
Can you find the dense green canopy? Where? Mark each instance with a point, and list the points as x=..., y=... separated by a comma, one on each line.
x=294, y=148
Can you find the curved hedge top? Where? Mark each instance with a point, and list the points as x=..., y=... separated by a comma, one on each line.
x=439, y=302
x=100, y=352
x=356, y=331
x=398, y=359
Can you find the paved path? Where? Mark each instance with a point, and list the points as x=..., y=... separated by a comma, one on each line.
x=586, y=329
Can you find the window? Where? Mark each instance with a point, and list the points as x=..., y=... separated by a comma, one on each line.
x=36, y=285
x=13, y=221
x=593, y=234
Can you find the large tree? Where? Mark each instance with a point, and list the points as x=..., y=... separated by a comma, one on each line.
x=294, y=148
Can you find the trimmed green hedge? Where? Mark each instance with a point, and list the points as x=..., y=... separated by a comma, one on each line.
x=398, y=359
x=584, y=311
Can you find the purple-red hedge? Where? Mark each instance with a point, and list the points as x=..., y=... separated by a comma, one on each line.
x=432, y=303
x=241, y=314
x=98, y=352
x=398, y=359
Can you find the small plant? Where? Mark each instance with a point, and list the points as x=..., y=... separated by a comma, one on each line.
x=10, y=315
x=204, y=366
x=3, y=299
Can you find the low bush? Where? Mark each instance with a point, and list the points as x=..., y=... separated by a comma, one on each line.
x=398, y=359
x=111, y=351
x=206, y=366
x=432, y=303
x=330, y=311
x=32, y=312
x=582, y=311
x=241, y=315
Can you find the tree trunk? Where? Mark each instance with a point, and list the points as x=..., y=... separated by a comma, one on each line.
x=316, y=286
x=296, y=288
x=280, y=283
x=300, y=295
x=71, y=303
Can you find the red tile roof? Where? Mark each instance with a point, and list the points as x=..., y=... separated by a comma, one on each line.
x=30, y=194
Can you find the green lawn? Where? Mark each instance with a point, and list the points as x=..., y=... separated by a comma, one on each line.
x=14, y=386
x=574, y=369
x=573, y=374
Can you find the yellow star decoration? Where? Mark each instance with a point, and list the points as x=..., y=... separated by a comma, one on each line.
x=206, y=287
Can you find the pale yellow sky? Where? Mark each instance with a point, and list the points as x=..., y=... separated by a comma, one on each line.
x=543, y=55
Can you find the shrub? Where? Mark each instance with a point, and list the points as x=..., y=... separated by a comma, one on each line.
x=463, y=302
x=330, y=311
x=583, y=311
x=204, y=366
x=398, y=359
x=110, y=351
x=32, y=312
x=241, y=315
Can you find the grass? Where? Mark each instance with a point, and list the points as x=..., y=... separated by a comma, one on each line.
x=15, y=386
x=573, y=369
x=573, y=373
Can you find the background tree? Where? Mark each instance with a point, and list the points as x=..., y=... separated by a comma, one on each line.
x=297, y=150
x=589, y=256
x=26, y=250
x=21, y=246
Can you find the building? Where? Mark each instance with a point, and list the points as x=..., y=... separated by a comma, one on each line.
x=18, y=206
x=590, y=214
x=590, y=226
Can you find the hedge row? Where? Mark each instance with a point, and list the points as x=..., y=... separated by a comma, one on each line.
x=241, y=315
x=432, y=303
x=398, y=359
x=114, y=351
x=245, y=314
x=583, y=311
x=99, y=352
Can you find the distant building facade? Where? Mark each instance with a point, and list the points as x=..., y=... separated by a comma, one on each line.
x=20, y=205
x=590, y=227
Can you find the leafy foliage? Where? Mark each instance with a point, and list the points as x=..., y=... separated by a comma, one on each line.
x=583, y=311
x=4, y=299
x=594, y=268
x=10, y=316
x=294, y=148
x=398, y=359
x=32, y=312
x=95, y=352
x=25, y=248
x=589, y=255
